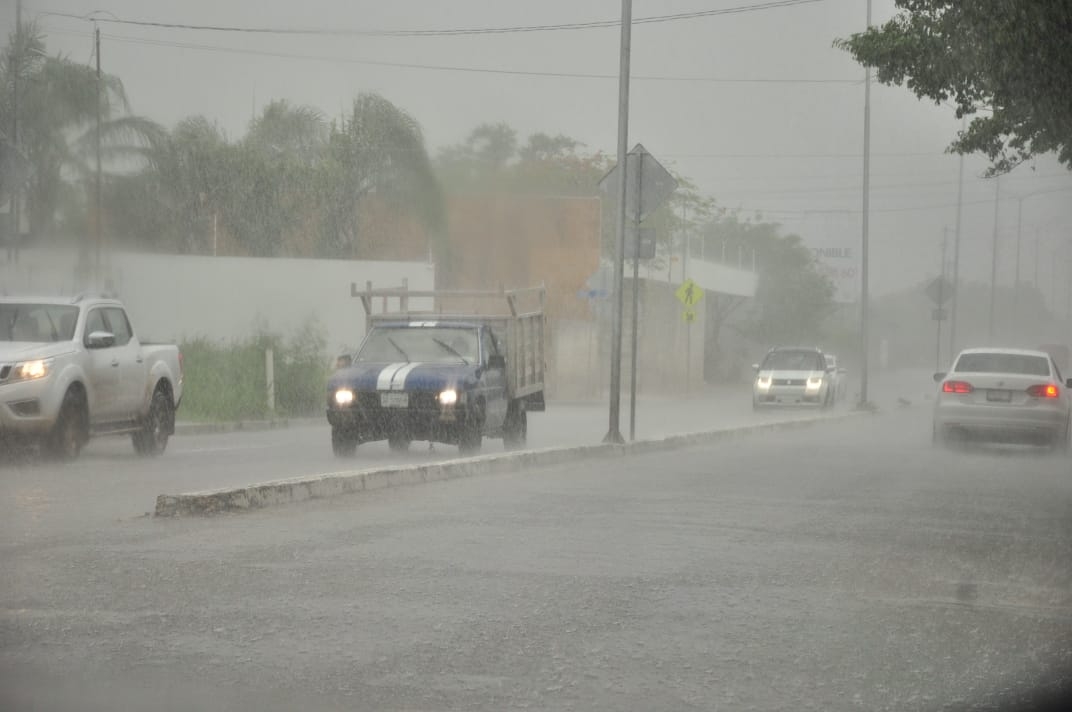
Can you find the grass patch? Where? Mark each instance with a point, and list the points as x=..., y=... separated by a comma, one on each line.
x=227, y=381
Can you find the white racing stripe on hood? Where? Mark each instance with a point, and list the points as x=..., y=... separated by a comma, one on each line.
x=398, y=381
x=383, y=381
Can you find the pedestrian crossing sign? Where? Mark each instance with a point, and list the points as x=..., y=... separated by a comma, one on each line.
x=689, y=293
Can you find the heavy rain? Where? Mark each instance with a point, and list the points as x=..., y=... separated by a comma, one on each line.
x=676, y=354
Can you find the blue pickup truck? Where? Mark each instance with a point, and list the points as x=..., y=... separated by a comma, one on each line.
x=451, y=378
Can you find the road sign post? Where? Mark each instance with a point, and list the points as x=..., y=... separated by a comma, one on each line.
x=646, y=186
x=689, y=294
x=939, y=290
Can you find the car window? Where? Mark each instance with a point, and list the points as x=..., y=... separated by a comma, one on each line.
x=489, y=344
x=95, y=322
x=1024, y=364
x=120, y=325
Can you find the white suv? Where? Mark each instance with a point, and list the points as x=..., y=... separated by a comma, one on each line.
x=793, y=376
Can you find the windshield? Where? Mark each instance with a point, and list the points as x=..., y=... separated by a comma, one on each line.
x=793, y=361
x=429, y=344
x=1024, y=364
x=37, y=323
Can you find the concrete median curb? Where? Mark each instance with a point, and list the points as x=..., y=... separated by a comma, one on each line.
x=300, y=489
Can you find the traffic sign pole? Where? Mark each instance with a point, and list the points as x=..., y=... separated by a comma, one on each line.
x=636, y=296
x=614, y=434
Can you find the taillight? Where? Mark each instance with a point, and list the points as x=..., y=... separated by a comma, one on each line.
x=1047, y=390
x=957, y=387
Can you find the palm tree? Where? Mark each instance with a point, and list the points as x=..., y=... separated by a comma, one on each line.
x=376, y=148
x=57, y=117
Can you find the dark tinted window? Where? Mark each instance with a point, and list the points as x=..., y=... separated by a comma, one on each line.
x=1003, y=363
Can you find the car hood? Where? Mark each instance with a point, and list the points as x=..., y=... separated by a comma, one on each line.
x=13, y=351
x=412, y=376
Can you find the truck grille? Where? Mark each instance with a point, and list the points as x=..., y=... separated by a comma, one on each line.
x=789, y=381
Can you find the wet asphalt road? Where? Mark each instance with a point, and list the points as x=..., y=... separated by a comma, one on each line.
x=110, y=483
x=845, y=566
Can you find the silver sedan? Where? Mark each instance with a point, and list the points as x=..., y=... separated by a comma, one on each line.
x=1004, y=395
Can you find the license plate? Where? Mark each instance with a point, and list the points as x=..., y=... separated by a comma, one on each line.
x=999, y=396
x=394, y=400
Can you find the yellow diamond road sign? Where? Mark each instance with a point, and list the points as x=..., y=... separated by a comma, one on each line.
x=689, y=293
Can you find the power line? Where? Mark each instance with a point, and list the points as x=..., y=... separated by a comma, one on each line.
x=888, y=186
x=450, y=32
x=909, y=209
x=453, y=68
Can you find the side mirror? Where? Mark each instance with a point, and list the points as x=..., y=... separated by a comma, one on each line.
x=343, y=361
x=497, y=361
x=100, y=340
x=831, y=369
x=1068, y=383
x=938, y=377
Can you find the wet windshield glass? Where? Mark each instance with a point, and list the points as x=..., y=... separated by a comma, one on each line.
x=793, y=361
x=424, y=343
x=37, y=323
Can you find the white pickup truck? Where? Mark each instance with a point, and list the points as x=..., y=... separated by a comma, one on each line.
x=72, y=368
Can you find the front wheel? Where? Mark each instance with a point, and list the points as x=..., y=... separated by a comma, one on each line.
x=152, y=439
x=472, y=435
x=71, y=430
x=343, y=441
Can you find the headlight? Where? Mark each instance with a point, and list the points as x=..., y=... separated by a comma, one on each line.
x=344, y=396
x=814, y=383
x=31, y=370
x=448, y=397
x=763, y=383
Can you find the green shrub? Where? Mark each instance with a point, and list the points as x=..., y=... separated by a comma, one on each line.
x=227, y=381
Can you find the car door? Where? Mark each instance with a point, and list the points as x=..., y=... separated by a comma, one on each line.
x=102, y=370
x=494, y=382
x=132, y=374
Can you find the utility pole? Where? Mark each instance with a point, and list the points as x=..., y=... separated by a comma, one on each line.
x=1035, y=282
x=865, y=348
x=97, y=220
x=636, y=300
x=13, y=250
x=956, y=250
x=1016, y=282
x=941, y=300
x=614, y=434
x=994, y=259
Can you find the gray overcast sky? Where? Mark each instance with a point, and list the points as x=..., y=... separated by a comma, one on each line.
x=791, y=150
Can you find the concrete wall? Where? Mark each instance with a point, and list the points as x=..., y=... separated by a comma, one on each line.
x=172, y=297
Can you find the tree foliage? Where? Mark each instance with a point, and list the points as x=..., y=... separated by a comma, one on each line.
x=57, y=107
x=294, y=184
x=793, y=298
x=1006, y=63
x=492, y=160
